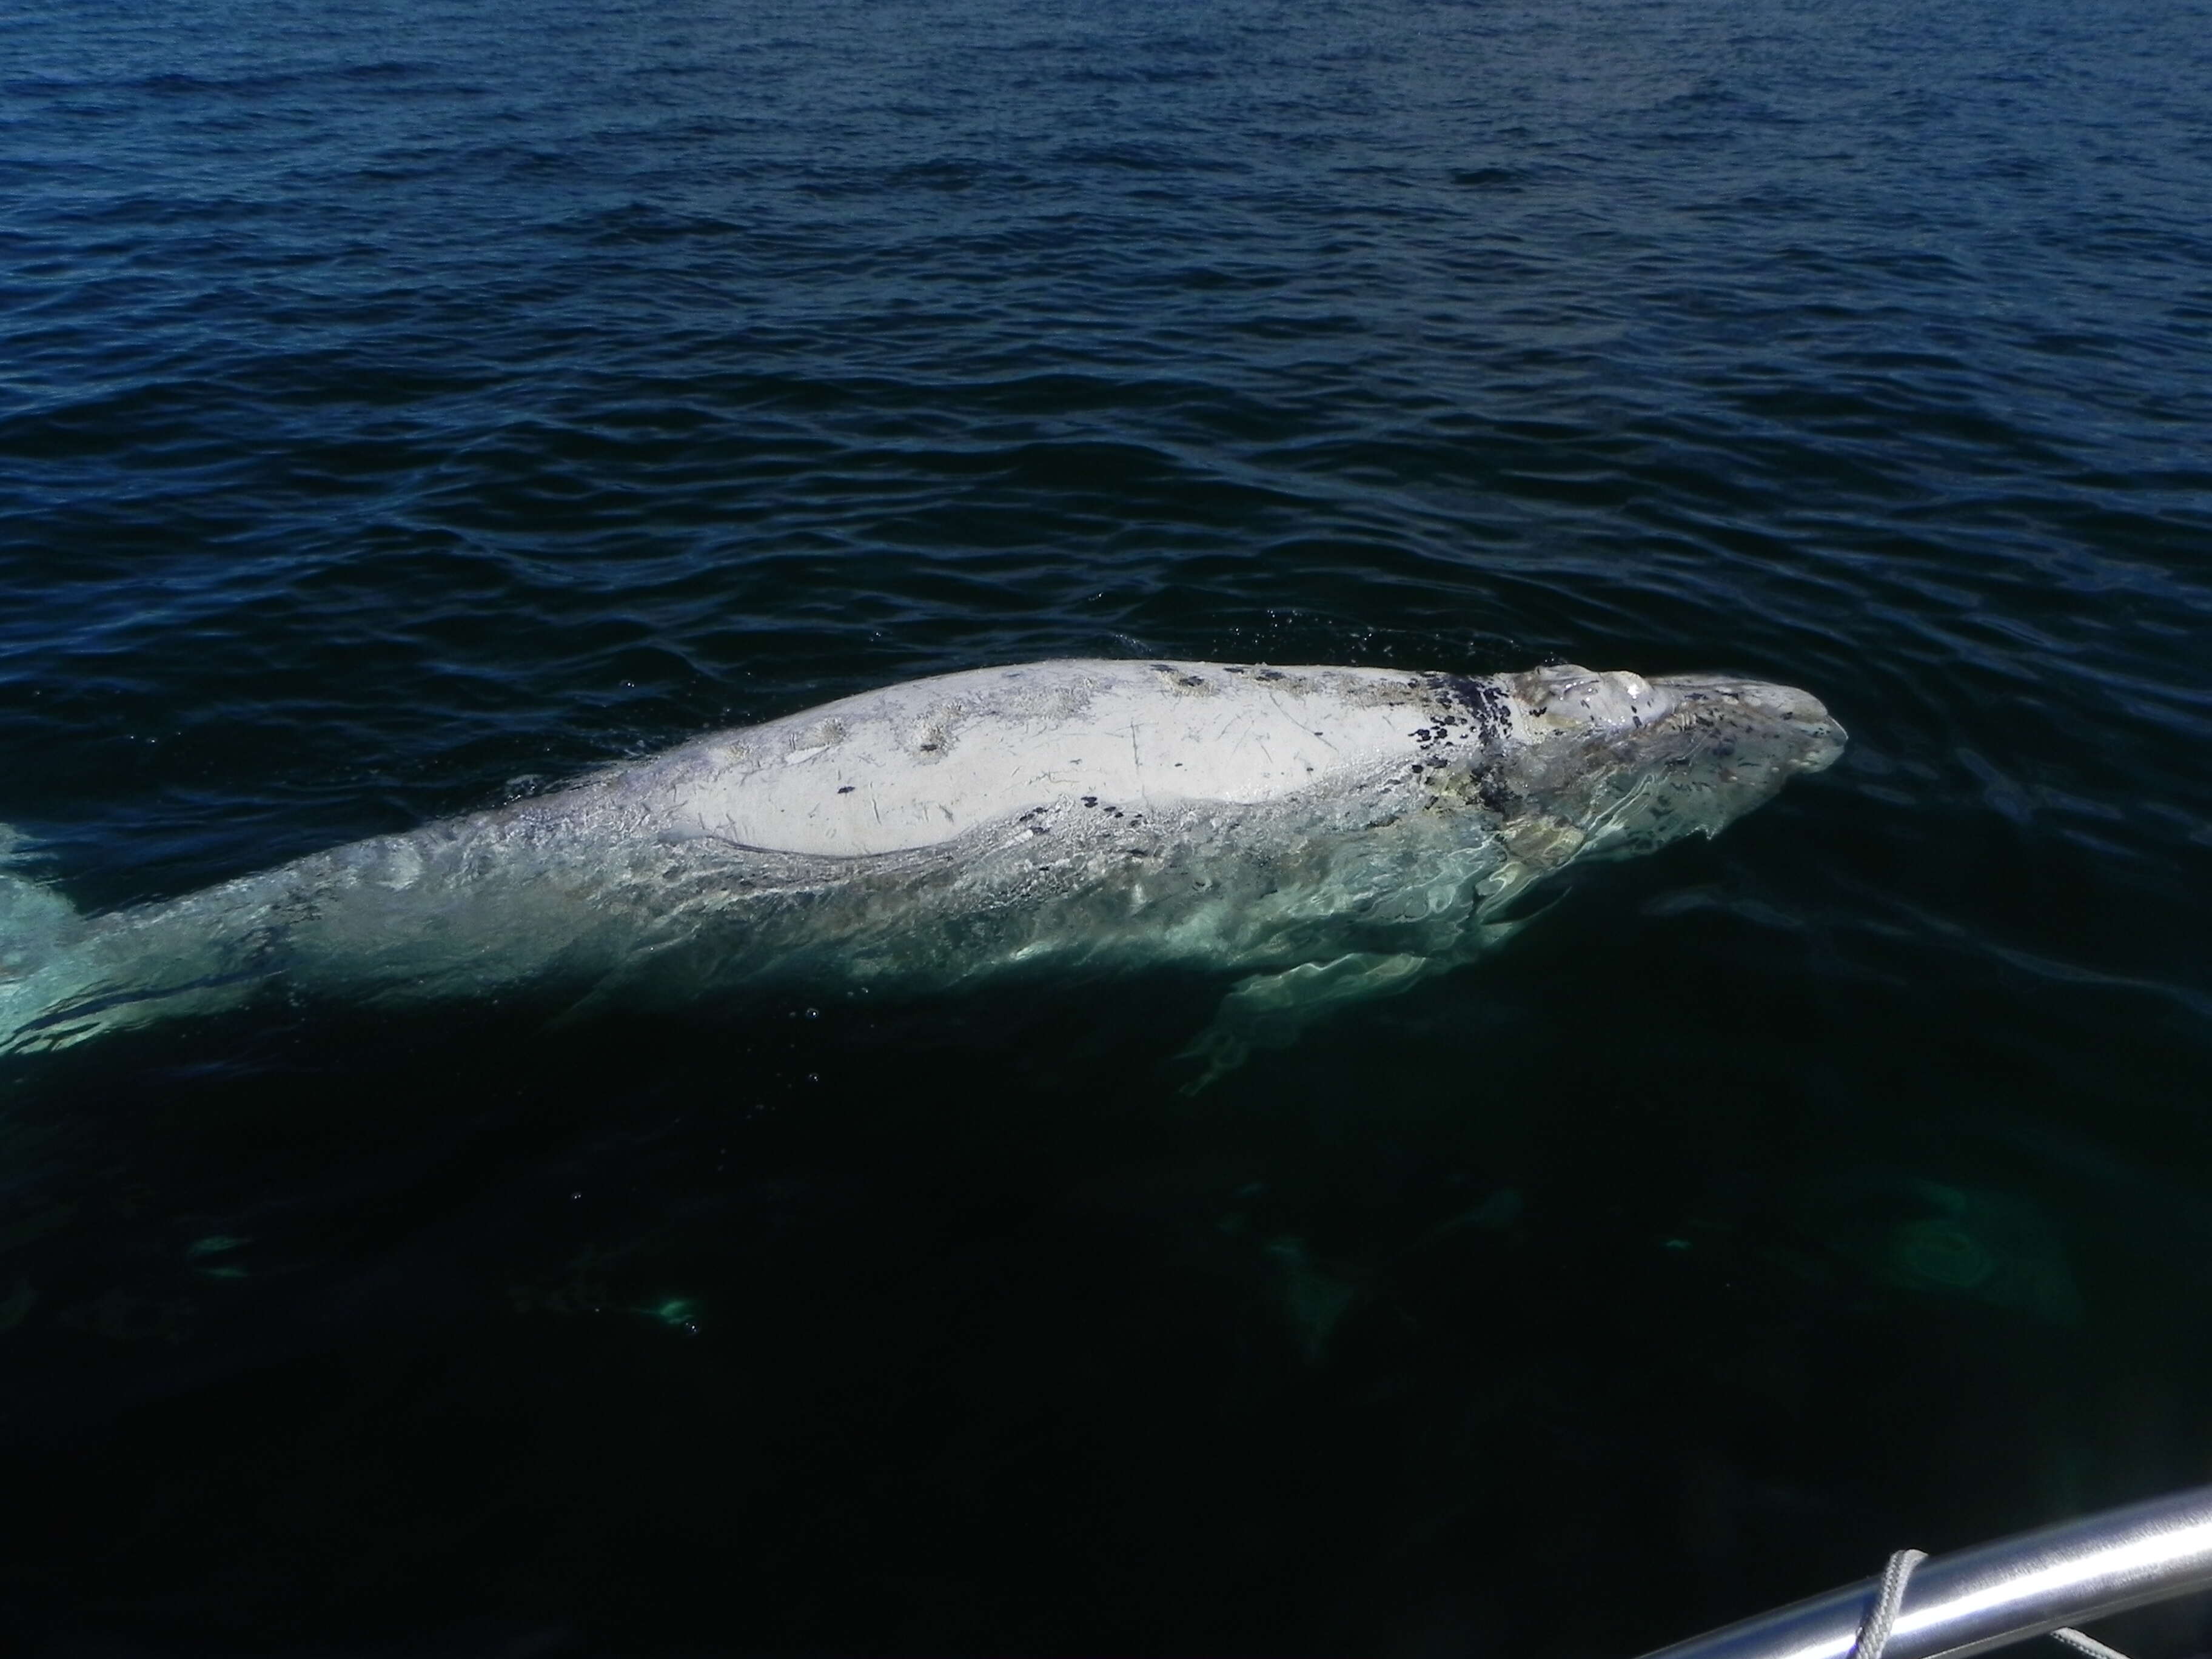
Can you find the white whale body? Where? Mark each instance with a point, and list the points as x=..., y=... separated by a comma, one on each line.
x=1327, y=833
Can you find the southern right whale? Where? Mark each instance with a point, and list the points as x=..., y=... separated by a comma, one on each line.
x=1325, y=832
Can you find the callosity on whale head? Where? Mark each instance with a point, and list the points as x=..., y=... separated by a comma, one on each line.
x=1612, y=765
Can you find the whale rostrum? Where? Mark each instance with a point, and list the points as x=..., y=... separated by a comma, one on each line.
x=1325, y=833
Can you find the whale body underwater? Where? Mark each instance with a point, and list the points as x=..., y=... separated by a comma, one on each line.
x=1323, y=834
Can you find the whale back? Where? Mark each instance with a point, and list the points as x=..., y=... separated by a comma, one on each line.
x=922, y=764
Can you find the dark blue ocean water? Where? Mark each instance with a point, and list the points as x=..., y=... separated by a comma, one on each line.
x=405, y=406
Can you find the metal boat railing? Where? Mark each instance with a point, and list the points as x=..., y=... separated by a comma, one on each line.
x=1973, y=1599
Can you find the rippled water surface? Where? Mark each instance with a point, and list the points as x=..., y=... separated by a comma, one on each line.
x=403, y=407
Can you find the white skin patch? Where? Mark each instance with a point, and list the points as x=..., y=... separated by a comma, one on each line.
x=914, y=763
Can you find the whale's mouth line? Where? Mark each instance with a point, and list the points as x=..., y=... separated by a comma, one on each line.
x=1609, y=820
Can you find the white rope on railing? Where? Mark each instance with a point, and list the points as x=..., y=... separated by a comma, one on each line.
x=2088, y=1645
x=1881, y=1617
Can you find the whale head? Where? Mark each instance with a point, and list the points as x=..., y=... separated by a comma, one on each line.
x=1613, y=765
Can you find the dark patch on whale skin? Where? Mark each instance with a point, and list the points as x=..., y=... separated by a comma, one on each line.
x=1480, y=703
x=1180, y=680
x=1492, y=790
x=1470, y=717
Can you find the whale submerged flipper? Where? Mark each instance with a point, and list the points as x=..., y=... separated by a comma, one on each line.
x=1323, y=835
x=1272, y=1010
